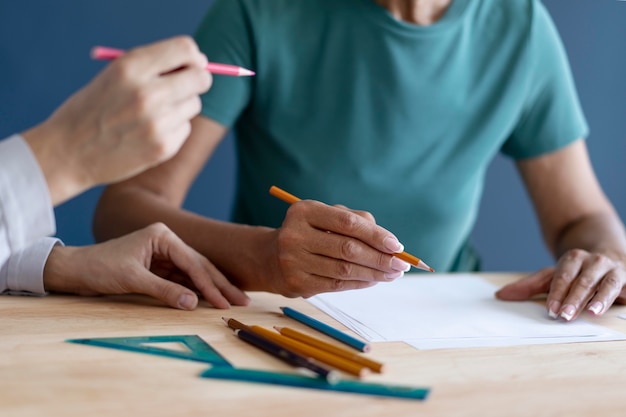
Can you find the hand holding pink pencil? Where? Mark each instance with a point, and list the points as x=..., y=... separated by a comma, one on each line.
x=106, y=53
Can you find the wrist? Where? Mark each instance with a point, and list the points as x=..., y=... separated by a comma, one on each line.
x=61, y=272
x=57, y=161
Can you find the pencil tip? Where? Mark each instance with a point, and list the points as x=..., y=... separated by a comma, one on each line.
x=422, y=265
x=225, y=319
x=246, y=72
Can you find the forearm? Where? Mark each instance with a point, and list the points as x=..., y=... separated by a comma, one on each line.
x=240, y=252
x=601, y=233
x=57, y=160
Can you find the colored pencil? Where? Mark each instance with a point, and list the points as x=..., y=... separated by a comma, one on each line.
x=326, y=329
x=329, y=347
x=312, y=352
x=235, y=324
x=405, y=256
x=106, y=53
x=284, y=354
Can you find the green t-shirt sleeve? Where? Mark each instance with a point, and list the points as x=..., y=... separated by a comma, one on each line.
x=552, y=116
x=225, y=37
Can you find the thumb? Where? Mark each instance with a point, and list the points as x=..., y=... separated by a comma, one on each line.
x=527, y=287
x=172, y=294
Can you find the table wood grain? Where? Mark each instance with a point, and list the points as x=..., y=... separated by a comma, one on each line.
x=42, y=375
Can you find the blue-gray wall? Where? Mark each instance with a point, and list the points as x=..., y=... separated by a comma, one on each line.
x=44, y=57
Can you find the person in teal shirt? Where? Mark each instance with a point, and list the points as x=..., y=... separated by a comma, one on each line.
x=394, y=107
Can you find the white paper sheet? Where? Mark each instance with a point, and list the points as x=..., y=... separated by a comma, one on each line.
x=451, y=311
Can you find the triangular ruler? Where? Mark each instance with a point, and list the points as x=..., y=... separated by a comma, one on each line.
x=198, y=351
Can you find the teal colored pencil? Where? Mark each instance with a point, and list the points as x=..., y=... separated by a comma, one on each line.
x=326, y=329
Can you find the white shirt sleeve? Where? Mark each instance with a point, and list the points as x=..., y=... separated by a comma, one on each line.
x=26, y=216
x=22, y=273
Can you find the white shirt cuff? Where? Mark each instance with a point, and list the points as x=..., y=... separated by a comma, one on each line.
x=23, y=271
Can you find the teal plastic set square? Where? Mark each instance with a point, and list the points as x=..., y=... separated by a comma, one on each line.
x=200, y=351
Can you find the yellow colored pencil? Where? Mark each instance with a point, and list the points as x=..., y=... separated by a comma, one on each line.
x=331, y=348
x=328, y=358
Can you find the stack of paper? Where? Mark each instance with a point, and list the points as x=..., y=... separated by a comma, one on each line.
x=451, y=311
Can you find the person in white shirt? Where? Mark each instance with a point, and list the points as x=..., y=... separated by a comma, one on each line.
x=134, y=115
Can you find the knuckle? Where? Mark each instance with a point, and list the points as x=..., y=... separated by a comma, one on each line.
x=612, y=282
x=338, y=285
x=587, y=282
x=366, y=215
x=122, y=70
x=160, y=227
x=349, y=221
x=562, y=278
x=344, y=269
x=600, y=260
x=167, y=292
x=298, y=209
x=575, y=254
x=384, y=262
x=186, y=44
x=349, y=249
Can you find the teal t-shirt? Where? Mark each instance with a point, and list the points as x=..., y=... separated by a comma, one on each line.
x=350, y=106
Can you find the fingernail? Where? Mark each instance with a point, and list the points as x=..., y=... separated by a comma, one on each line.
x=393, y=275
x=568, y=312
x=596, y=308
x=187, y=302
x=554, y=308
x=393, y=245
x=399, y=264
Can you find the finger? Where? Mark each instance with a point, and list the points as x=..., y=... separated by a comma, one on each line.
x=365, y=214
x=584, y=286
x=323, y=285
x=184, y=84
x=338, y=269
x=566, y=271
x=166, y=56
x=203, y=275
x=608, y=291
x=349, y=224
x=527, y=287
x=190, y=262
x=217, y=290
x=341, y=257
x=181, y=112
x=172, y=294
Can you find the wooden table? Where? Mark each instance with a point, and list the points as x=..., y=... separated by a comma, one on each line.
x=42, y=375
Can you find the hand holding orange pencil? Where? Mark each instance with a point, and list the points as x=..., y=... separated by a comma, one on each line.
x=405, y=256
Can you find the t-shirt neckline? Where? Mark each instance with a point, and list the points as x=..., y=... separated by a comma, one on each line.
x=452, y=16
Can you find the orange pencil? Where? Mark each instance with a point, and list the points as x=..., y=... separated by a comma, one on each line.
x=329, y=347
x=337, y=362
x=405, y=256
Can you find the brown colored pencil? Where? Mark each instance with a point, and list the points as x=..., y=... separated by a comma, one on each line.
x=331, y=348
x=405, y=256
x=328, y=358
x=235, y=324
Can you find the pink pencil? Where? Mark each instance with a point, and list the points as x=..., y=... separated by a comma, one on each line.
x=106, y=53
